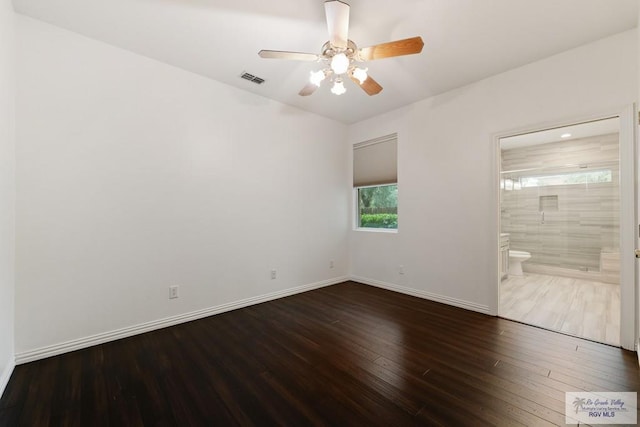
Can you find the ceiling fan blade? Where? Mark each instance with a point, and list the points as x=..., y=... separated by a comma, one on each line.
x=395, y=48
x=295, y=56
x=337, y=14
x=308, y=89
x=369, y=85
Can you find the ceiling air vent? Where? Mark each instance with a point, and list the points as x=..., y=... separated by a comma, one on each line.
x=252, y=78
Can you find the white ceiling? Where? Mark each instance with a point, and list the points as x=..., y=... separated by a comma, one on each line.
x=465, y=40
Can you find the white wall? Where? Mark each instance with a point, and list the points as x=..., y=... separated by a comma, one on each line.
x=7, y=191
x=133, y=176
x=447, y=237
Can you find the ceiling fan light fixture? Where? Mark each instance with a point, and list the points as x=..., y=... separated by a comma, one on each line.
x=317, y=77
x=338, y=87
x=339, y=54
x=360, y=74
x=339, y=63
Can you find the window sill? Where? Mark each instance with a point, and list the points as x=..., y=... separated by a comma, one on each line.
x=378, y=230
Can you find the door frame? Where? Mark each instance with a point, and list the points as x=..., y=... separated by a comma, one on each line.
x=629, y=233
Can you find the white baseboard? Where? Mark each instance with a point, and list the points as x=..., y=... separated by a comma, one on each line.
x=6, y=374
x=80, y=343
x=468, y=305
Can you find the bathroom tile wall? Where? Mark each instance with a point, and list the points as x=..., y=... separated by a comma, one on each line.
x=586, y=221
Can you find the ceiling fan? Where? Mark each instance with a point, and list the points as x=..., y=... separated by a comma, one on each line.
x=339, y=55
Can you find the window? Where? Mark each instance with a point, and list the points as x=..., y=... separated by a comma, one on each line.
x=375, y=183
x=590, y=177
x=378, y=206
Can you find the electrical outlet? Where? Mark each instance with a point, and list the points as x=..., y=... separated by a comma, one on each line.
x=274, y=274
x=331, y=263
x=173, y=292
x=401, y=269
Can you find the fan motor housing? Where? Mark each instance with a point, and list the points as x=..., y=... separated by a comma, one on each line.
x=328, y=50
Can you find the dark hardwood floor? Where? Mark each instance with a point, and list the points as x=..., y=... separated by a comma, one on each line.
x=347, y=354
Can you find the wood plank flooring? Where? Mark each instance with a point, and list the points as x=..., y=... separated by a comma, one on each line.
x=579, y=307
x=347, y=354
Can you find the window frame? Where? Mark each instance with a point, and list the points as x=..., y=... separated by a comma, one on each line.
x=356, y=210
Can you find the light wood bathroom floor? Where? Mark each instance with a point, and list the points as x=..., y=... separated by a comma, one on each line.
x=578, y=307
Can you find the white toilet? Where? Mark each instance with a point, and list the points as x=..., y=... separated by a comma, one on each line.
x=516, y=258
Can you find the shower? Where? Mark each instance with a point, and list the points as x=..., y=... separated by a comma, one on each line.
x=560, y=201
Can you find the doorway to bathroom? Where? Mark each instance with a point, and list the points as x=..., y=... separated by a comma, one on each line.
x=560, y=222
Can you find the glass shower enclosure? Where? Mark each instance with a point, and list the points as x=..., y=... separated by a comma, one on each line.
x=565, y=215
x=560, y=199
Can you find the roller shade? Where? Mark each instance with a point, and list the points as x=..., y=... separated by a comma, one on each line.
x=375, y=162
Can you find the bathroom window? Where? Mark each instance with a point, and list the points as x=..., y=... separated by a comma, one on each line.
x=375, y=183
x=590, y=177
